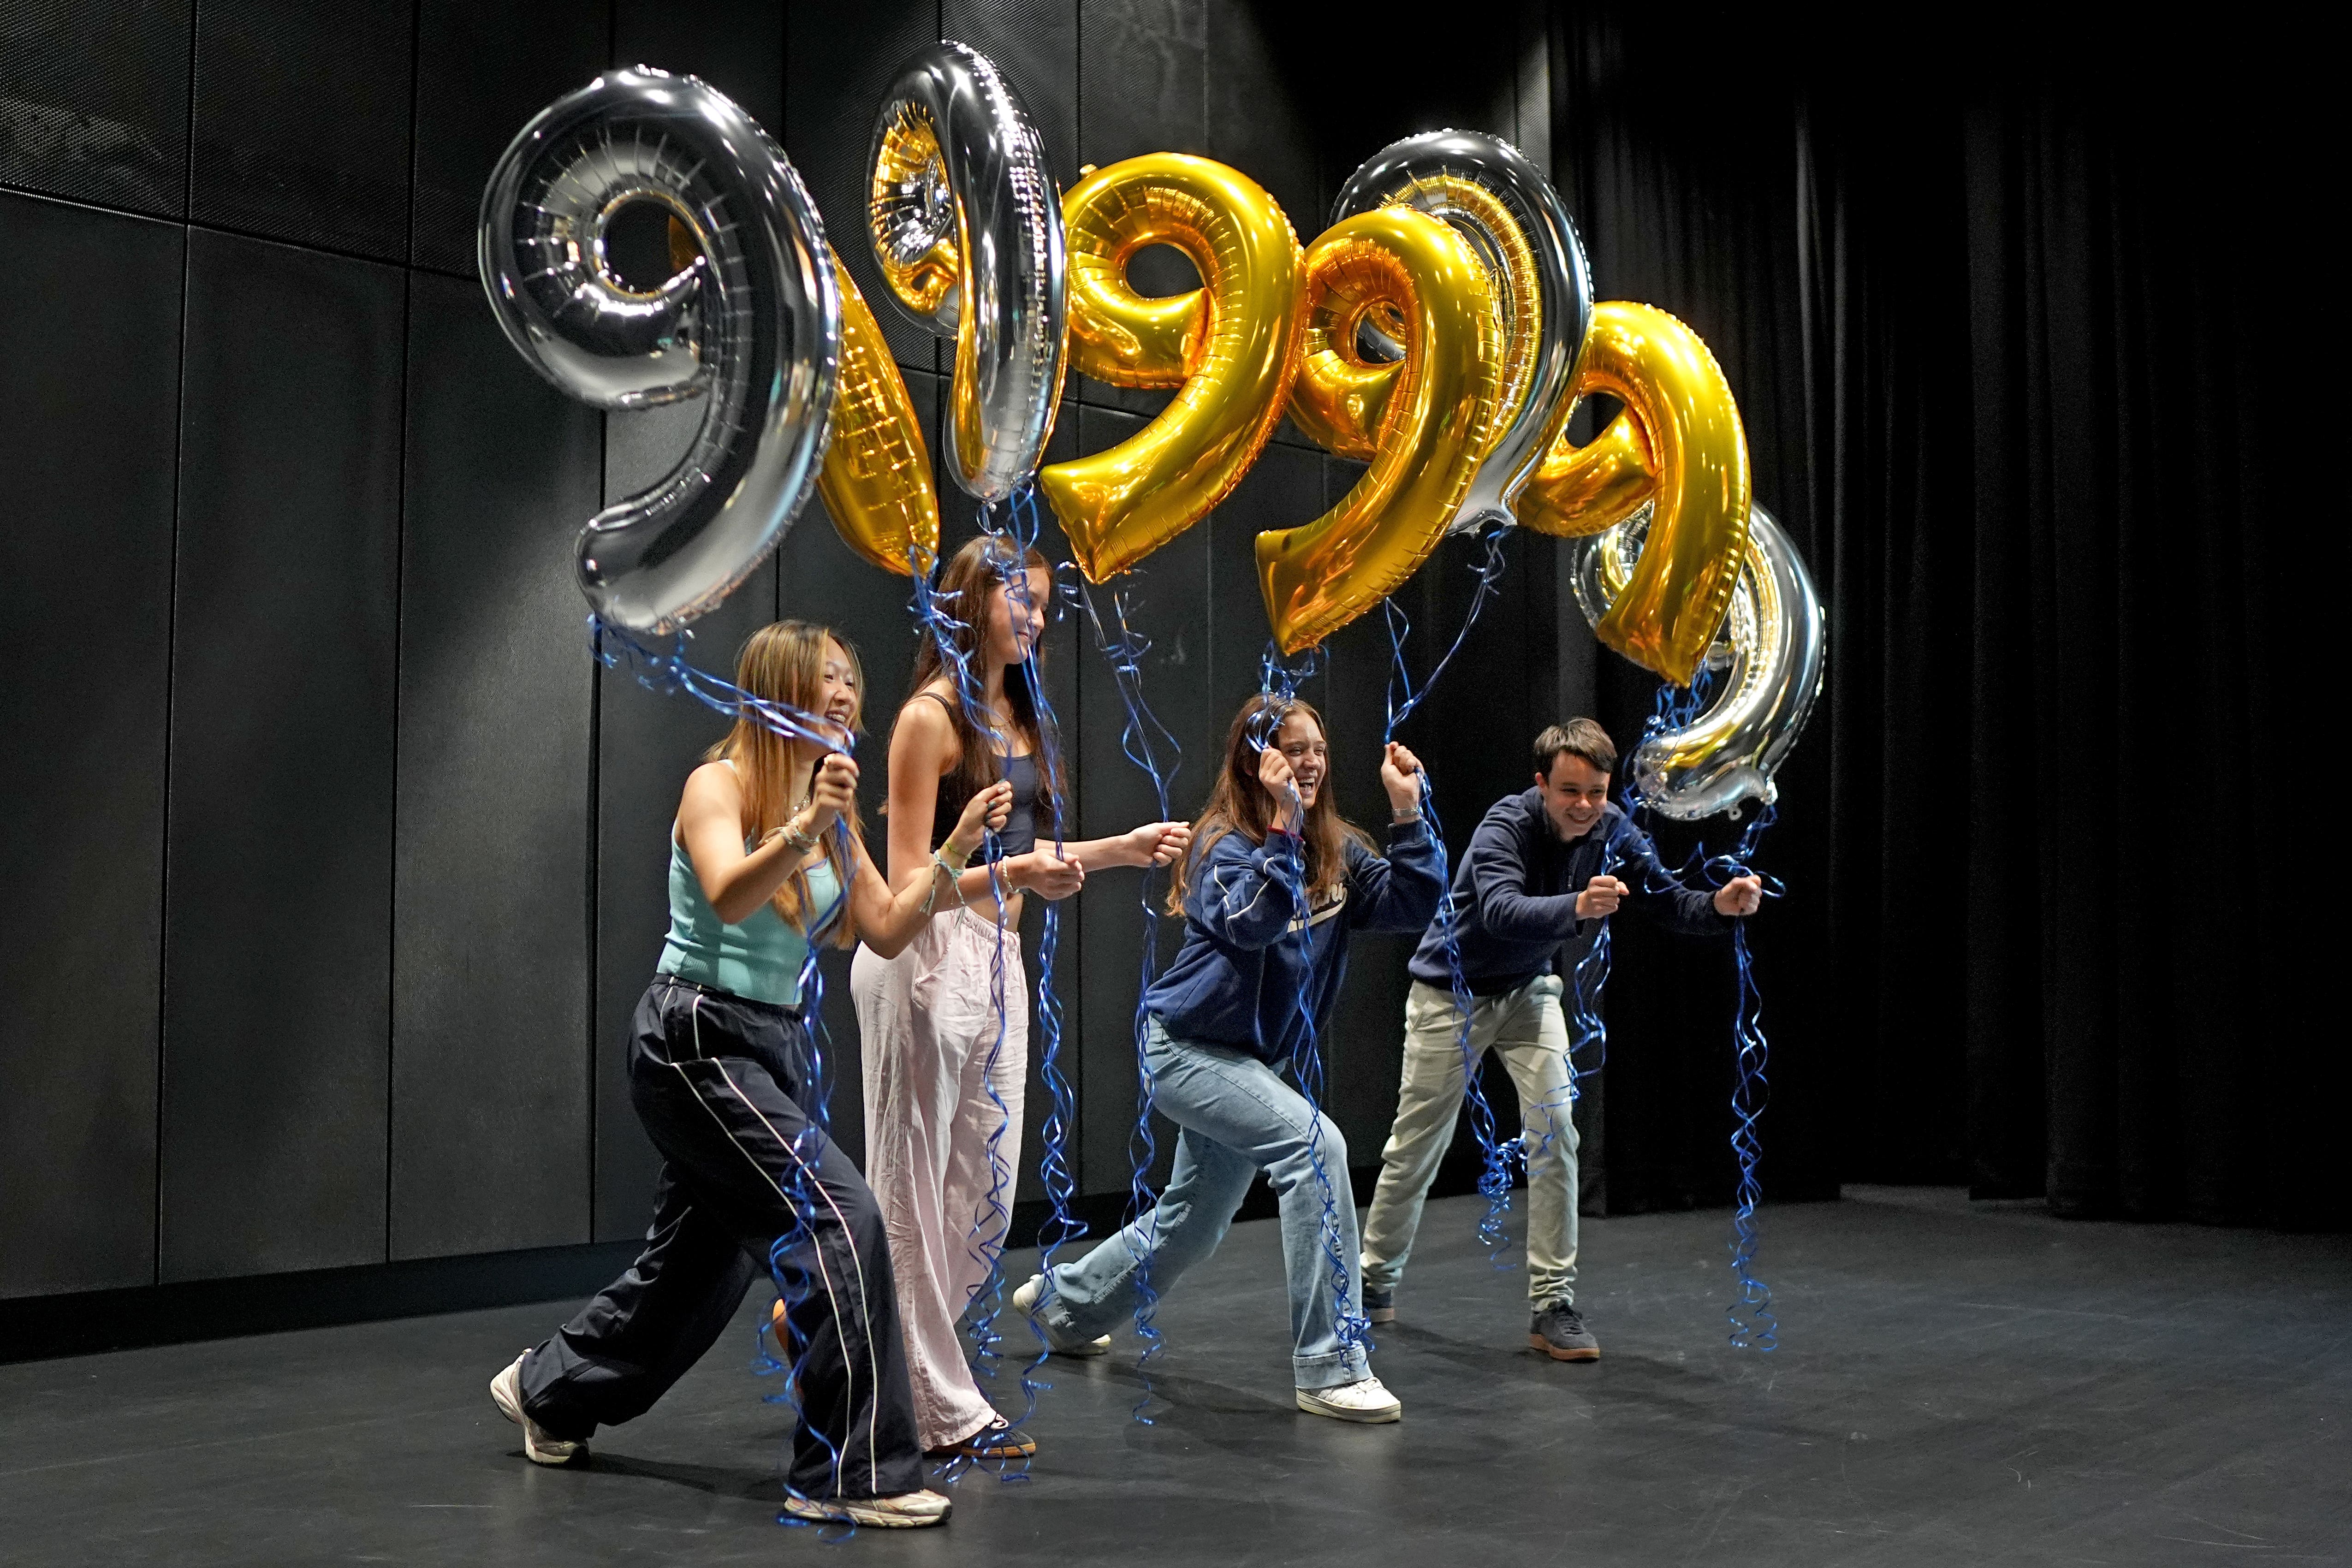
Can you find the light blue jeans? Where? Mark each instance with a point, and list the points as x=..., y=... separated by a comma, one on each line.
x=1237, y=1118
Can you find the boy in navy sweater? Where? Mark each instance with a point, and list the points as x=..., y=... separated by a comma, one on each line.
x=1548, y=866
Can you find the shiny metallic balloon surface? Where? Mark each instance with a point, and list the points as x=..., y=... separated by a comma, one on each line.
x=1231, y=345
x=1424, y=421
x=751, y=324
x=966, y=223
x=876, y=479
x=1677, y=442
x=1502, y=204
x=1770, y=653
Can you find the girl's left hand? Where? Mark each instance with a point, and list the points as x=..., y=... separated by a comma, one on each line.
x=1400, y=777
x=1739, y=897
x=1158, y=843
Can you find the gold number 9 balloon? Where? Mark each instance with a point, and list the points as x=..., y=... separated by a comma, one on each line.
x=1423, y=422
x=876, y=479
x=1517, y=226
x=967, y=226
x=1231, y=346
x=1677, y=445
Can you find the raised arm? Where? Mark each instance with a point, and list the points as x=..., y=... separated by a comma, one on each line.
x=889, y=915
x=710, y=825
x=1242, y=893
x=922, y=748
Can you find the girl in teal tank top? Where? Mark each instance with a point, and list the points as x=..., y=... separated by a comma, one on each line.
x=768, y=855
x=765, y=857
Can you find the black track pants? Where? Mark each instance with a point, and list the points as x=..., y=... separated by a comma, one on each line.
x=713, y=1077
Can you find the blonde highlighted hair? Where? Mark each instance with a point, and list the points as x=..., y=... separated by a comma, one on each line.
x=785, y=663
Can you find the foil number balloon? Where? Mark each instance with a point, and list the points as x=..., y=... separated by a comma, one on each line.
x=1231, y=346
x=1515, y=223
x=967, y=226
x=751, y=324
x=1678, y=444
x=1423, y=422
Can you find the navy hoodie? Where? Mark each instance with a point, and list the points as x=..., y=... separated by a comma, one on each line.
x=1252, y=952
x=1515, y=895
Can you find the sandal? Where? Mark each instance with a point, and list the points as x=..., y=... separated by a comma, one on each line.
x=997, y=1440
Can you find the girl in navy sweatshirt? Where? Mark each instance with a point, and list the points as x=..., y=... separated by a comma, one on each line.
x=1272, y=886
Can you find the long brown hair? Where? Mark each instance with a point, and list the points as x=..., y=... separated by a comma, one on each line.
x=785, y=663
x=970, y=576
x=1239, y=804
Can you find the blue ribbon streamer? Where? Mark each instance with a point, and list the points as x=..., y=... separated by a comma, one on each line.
x=1496, y=1155
x=1677, y=708
x=1143, y=737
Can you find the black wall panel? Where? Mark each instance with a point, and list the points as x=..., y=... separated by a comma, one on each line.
x=94, y=100
x=280, y=813
x=492, y=1065
x=1143, y=78
x=302, y=122
x=836, y=70
x=736, y=46
x=88, y=449
x=482, y=71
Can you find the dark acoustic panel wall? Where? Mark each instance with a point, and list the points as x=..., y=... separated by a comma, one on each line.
x=647, y=744
x=280, y=818
x=482, y=71
x=94, y=100
x=836, y=70
x=1143, y=78
x=87, y=449
x=302, y=122
x=490, y=915
x=736, y=46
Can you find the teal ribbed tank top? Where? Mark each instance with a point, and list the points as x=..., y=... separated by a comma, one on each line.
x=761, y=957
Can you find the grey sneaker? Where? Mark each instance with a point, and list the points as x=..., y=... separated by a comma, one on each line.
x=908, y=1511
x=539, y=1445
x=1380, y=1306
x=1558, y=1332
x=1024, y=1301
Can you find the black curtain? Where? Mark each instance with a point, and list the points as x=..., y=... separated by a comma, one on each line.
x=2028, y=353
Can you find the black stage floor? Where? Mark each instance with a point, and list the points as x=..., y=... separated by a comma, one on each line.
x=1957, y=1383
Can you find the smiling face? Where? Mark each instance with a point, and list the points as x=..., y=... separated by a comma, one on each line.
x=839, y=697
x=1574, y=791
x=1300, y=741
x=1016, y=619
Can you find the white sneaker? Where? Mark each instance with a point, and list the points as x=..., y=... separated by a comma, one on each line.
x=908, y=1511
x=1363, y=1400
x=1024, y=1301
x=539, y=1445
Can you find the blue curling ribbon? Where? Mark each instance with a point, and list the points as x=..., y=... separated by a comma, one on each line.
x=1279, y=683
x=1496, y=1156
x=1143, y=738
x=1677, y=708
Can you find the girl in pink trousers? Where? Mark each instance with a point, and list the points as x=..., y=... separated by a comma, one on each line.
x=944, y=1067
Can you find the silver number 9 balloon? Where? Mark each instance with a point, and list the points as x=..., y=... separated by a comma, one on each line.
x=967, y=225
x=752, y=324
x=1768, y=656
x=1502, y=204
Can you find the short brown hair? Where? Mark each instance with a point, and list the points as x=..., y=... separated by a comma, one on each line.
x=1579, y=738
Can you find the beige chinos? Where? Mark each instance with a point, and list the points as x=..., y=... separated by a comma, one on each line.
x=1530, y=1031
